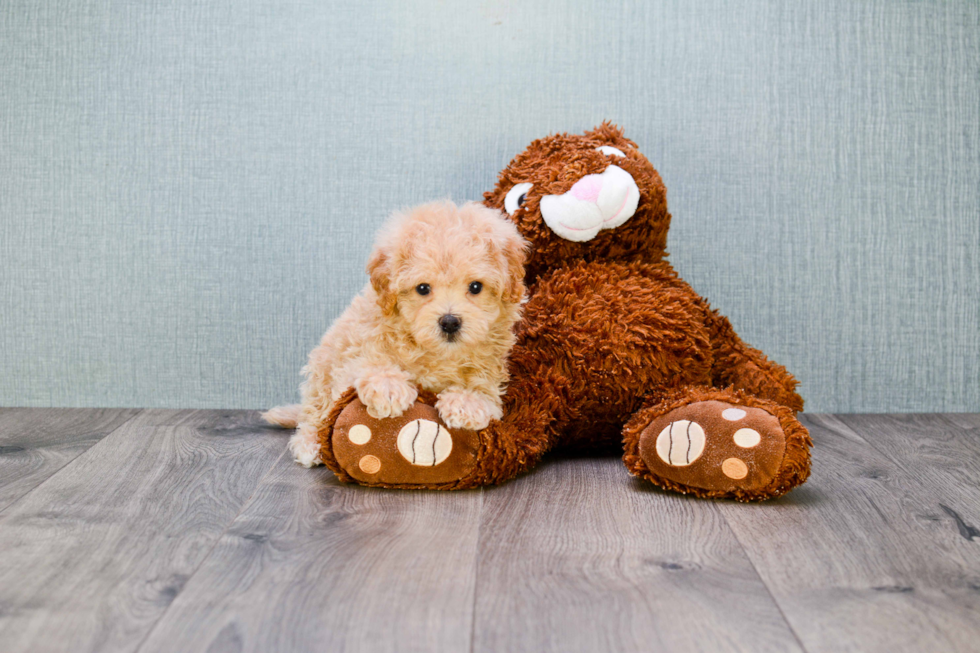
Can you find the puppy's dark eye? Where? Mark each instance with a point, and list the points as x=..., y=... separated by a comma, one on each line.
x=475, y=288
x=423, y=289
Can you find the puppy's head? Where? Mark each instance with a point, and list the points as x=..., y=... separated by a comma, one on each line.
x=449, y=275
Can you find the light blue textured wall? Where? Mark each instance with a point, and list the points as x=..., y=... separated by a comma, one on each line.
x=188, y=190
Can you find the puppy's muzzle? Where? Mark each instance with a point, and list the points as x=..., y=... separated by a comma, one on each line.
x=450, y=325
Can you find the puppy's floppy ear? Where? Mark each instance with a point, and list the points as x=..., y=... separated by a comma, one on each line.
x=515, y=253
x=379, y=269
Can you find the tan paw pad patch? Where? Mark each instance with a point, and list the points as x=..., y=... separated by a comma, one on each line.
x=734, y=468
x=359, y=434
x=733, y=414
x=370, y=464
x=747, y=438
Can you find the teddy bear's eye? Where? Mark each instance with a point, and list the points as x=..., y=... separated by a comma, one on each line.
x=516, y=197
x=609, y=150
x=423, y=289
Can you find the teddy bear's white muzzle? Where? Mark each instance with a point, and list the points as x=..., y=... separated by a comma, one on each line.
x=594, y=203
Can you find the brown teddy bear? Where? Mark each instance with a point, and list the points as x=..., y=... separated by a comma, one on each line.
x=614, y=349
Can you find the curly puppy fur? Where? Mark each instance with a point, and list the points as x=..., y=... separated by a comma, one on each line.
x=389, y=343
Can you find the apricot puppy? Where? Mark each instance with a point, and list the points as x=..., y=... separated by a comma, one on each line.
x=446, y=286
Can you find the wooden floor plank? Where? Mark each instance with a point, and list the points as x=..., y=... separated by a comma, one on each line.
x=188, y=530
x=92, y=558
x=579, y=556
x=939, y=456
x=862, y=558
x=314, y=565
x=967, y=421
x=37, y=442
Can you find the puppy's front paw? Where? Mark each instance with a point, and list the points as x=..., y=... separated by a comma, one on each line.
x=305, y=446
x=386, y=394
x=463, y=409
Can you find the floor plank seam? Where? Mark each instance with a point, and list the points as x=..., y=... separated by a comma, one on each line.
x=69, y=463
x=211, y=549
x=476, y=568
x=755, y=568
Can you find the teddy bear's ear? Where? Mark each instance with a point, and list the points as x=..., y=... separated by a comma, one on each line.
x=379, y=269
x=606, y=132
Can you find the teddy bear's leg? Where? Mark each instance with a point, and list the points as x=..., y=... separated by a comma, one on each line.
x=718, y=443
x=418, y=450
x=745, y=368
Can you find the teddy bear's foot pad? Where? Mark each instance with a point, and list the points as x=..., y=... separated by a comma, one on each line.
x=713, y=445
x=416, y=449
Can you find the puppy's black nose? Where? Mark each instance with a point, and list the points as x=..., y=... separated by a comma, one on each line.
x=450, y=324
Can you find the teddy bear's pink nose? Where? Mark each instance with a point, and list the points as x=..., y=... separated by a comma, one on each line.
x=587, y=188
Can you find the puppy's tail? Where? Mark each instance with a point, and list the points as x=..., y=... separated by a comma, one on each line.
x=285, y=416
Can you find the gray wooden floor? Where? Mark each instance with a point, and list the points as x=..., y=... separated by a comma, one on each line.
x=162, y=530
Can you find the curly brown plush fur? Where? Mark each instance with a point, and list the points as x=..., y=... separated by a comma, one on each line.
x=612, y=335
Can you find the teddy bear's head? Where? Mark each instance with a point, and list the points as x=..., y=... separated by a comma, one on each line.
x=590, y=196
